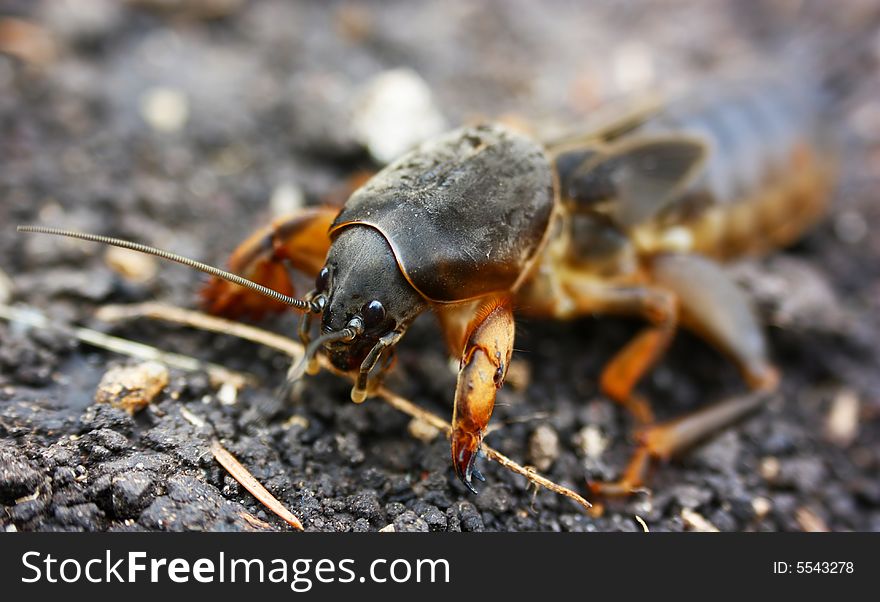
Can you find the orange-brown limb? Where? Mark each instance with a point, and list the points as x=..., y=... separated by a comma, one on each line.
x=667, y=439
x=668, y=290
x=711, y=305
x=485, y=345
x=299, y=241
x=658, y=307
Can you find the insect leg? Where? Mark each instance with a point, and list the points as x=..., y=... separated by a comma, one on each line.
x=715, y=308
x=663, y=440
x=712, y=306
x=299, y=240
x=485, y=344
x=656, y=305
x=385, y=345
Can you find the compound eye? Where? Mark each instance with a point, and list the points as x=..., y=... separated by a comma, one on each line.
x=322, y=282
x=373, y=314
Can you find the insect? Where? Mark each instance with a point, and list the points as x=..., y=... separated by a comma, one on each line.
x=631, y=217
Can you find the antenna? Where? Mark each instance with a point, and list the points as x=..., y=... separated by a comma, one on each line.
x=299, y=304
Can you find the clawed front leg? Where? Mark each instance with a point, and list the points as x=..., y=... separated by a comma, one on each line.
x=486, y=346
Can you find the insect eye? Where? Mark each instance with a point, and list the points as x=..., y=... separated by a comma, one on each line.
x=323, y=280
x=373, y=313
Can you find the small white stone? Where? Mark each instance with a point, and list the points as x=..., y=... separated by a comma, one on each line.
x=761, y=506
x=633, y=67
x=133, y=266
x=543, y=447
x=769, y=468
x=165, y=109
x=842, y=425
x=287, y=198
x=296, y=420
x=422, y=431
x=132, y=388
x=228, y=394
x=591, y=442
x=394, y=112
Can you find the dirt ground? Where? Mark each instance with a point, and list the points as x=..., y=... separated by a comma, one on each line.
x=186, y=124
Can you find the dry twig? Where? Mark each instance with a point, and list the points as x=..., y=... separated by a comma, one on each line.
x=249, y=482
x=35, y=319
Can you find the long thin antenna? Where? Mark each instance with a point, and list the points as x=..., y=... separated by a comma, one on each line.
x=198, y=265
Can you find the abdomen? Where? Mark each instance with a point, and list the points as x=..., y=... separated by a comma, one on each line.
x=768, y=176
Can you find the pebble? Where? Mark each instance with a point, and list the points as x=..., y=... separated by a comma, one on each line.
x=494, y=499
x=410, y=522
x=164, y=109
x=434, y=517
x=365, y=504
x=394, y=112
x=18, y=476
x=633, y=66
x=227, y=394
x=468, y=516
x=133, y=266
x=286, y=198
x=590, y=442
x=131, y=492
x=543, y=447
x=423, y=431
x=842, y=424
x=132, y=388
x=519, y=375
x=762, y=507
x=769, y=468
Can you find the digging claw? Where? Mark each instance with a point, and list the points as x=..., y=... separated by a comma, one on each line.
x=465, y=451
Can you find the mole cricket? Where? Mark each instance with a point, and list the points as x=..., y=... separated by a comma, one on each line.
x=632, y=217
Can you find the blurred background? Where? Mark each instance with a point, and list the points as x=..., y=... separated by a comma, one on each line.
x=188, y=123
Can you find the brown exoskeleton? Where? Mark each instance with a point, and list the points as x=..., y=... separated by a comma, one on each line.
x=631, y=218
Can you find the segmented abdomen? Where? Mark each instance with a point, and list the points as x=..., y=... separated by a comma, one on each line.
x=767, y=177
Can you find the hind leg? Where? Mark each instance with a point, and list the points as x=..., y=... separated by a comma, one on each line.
x=712, y=306
x=656, y=305
x=299, y=241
